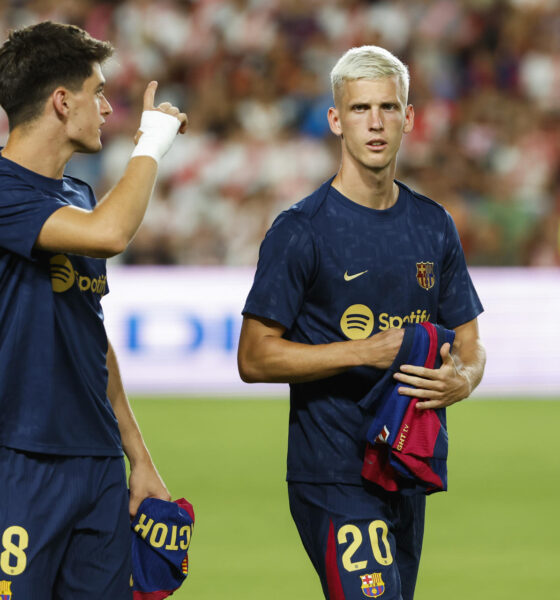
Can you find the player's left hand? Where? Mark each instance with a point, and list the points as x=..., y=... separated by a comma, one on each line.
x=145, y=482
x=434, y=388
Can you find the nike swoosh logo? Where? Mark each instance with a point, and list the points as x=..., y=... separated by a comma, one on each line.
x=350, y=277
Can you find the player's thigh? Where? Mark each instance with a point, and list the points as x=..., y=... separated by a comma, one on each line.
x=97, y=561
x=409, y=512
x=37, y=505
x=349, y=536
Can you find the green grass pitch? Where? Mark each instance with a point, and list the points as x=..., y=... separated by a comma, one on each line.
x=494, y=535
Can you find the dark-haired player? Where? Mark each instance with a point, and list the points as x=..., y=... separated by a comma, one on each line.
x=65, y=419
x=339, y=275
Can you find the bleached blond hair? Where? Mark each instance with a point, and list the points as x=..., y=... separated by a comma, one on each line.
x=368, y=62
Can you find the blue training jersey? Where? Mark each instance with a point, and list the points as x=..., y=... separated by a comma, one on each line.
x=332, y=270
x=53, y=346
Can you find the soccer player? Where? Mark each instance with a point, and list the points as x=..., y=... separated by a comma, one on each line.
x=65, y=418
x=339, y=274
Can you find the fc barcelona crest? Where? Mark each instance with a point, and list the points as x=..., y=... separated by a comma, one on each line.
x=372, y=585
x=425, y=275
x=5, y=590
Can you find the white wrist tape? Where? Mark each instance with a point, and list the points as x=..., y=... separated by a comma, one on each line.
x=158, y=132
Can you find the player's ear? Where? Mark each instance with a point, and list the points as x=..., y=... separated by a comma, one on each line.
x=334, y=121
x=408, y=119
x=60, y=103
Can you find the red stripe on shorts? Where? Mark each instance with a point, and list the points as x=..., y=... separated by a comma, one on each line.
x=333, y=576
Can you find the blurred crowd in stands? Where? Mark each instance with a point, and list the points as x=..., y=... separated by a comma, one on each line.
x=253, y=76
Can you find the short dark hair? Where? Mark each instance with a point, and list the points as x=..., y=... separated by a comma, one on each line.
x=35, y=60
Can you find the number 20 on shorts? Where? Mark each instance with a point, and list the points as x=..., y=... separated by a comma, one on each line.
x=13, y=559
x=380, y=547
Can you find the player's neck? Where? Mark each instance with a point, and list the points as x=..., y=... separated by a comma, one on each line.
x=368, y=188
x=36, y=151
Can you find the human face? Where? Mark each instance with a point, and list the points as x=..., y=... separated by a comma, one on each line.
x=371, y=118
x=88, y=109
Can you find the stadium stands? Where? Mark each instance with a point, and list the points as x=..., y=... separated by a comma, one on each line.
x=253, y=77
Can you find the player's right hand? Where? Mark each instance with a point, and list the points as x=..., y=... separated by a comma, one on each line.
x=383, y=347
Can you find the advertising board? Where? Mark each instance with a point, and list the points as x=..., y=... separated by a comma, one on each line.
x=175, y=330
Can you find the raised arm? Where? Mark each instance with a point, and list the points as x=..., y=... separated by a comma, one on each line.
x=110, y=226
x=265, y=356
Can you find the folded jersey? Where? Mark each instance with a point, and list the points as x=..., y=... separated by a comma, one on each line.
x=406, y=448
x=161, y=535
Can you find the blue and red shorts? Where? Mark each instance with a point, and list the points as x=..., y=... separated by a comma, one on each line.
x=363, y=542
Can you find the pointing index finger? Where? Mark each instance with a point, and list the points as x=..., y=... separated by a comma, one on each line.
x=150, y=95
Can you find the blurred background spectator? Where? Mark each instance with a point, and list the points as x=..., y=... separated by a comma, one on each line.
x=253, y=76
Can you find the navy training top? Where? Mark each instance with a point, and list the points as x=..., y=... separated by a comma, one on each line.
x=331, y=270
x=53, y=346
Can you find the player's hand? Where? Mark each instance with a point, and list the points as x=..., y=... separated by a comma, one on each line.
x=145, y=482
x=165, y=107
x=382, y=348
x=435, y=388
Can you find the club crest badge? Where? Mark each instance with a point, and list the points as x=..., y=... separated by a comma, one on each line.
x=5, y=590
x=425, y=275
x=372, y=585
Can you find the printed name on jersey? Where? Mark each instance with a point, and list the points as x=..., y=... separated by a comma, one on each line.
x=373, y=585
x=64, y=276
x=5, y=590
x=358, y=321
x=159, y=534
x=425, y=275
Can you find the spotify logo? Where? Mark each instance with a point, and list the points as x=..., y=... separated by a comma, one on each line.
x=62, y=273
x=357, y=322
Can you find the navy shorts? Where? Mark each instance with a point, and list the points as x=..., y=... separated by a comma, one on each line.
x=363, y=542
x=64, y=527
